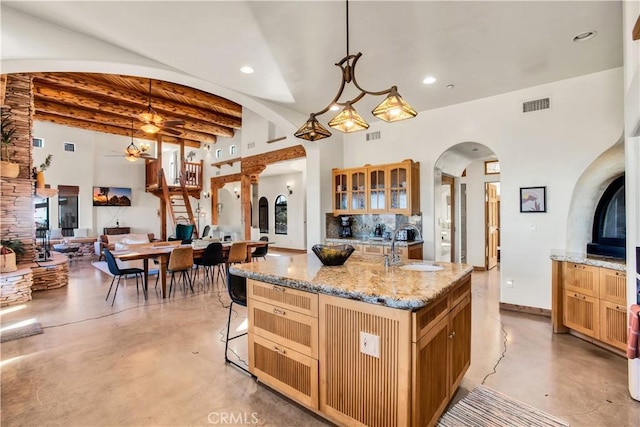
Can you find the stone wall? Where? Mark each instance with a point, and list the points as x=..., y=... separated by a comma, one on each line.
x=15, y=287
x=16, y=206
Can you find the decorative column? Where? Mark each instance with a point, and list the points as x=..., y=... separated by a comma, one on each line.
x=16, y=206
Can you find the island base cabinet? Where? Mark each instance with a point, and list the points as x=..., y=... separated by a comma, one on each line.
x=285, y=370
x=358, y=388
x=613, y=324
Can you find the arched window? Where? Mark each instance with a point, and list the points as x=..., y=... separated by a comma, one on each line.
x=281, y=214
x=263, y=215
x=218, y=153
x=232, y=150
x=609, y=222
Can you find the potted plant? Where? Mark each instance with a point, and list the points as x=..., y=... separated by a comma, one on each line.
x=8, y=168
x=38, y=173
x=8, y=250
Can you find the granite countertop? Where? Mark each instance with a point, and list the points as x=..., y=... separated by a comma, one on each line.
x=373, y=241
x=596, y=261
x=362, y=277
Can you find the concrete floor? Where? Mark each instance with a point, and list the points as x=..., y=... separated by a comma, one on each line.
x=160, y=363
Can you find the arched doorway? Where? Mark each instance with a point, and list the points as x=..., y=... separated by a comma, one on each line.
x=467, y=206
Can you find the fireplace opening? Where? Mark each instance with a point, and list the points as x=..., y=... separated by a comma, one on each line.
x=609, y=222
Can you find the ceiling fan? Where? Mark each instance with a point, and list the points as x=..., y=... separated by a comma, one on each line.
x=154, y=123
x=132, y=152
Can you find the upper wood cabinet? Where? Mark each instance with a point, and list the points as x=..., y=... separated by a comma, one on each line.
x=389, y=188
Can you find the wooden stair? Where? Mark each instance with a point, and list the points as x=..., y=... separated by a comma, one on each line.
x=178, y=203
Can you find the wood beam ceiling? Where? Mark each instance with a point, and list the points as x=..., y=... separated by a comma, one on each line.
x=107, y=103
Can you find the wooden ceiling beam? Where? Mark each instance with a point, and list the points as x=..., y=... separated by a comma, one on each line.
x=73, y=83
x=205, y=99
x=250, y=163
x=98, y=127
x=108, y=105
x=45, y=106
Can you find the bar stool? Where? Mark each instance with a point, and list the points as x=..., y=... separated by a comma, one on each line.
x=237, y=288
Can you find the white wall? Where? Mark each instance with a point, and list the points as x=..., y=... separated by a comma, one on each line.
x=272, y=186
x=549, y=148
x=94, y=164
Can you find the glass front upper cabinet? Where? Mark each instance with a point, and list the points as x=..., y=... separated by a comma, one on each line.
x=358, y=191
x=341, y=195
x=398, y=200
x=378, y=189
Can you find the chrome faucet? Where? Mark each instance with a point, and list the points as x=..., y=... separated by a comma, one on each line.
x=394, y=258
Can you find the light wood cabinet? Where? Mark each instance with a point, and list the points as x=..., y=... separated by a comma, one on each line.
x=592, y=302
x=388, y=188
x=442, y=353
x=283, y=340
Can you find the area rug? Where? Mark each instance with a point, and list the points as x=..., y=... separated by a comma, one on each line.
x=486, y=407
x=21, y=332
x=102, y=266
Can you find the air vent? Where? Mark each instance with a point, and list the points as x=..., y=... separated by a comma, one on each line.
x=37, y=142
x=536, y=105
x=373, y=135
x=68, y=146
x=251, y=145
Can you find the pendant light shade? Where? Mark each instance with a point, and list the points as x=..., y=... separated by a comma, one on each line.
x=312, y=130
x=394, y=108
x=348, y=120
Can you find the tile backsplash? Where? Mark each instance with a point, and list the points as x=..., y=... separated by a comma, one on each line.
x=365, y=225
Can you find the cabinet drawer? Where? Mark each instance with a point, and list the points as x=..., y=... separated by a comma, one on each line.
x=296, y=331
x=286, y=298
x=581, y=278
x=425, y=319
x=581, y=313
x=613, y=286
x=286, y=370
x=403, y=251
x=613, y=324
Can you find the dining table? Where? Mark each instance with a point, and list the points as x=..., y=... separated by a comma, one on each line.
x=161, y=251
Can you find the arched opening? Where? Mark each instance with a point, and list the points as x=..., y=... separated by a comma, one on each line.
x=263, y=215
x=609, y=222
x=281, y=215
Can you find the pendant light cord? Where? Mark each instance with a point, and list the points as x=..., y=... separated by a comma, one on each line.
x=347, y=27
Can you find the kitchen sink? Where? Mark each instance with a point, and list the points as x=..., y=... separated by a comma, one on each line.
x=422, y=267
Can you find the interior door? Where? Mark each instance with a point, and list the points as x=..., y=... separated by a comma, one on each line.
x=491, y=218
x=447, y=220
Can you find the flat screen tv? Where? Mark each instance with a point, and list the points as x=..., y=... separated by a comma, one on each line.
x=111, y=196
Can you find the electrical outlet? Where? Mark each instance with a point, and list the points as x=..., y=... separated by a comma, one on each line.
x=533, y=226
x=370, y=344
x=510, y=283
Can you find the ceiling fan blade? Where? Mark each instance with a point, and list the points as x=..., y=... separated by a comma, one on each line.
x=173, y=123
x=171, y=131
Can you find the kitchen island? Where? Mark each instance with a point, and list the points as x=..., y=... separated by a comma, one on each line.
x=361, y=343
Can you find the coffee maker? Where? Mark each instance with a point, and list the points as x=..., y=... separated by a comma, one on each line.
x=345, y=226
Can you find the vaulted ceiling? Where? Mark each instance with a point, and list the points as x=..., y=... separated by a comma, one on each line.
x=111, y=104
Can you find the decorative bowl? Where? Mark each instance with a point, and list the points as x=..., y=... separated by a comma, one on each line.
x=333, y=255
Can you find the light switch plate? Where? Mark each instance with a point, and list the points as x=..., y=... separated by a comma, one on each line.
x=370, y=344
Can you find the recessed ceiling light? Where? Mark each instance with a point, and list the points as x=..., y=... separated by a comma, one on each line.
x=429, y=80
x=583, y=37
x=246, y=69
x=450, y=86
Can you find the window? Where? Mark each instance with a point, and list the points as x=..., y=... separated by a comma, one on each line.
x=281, y=214
x=263, y=215
x=232, y=150
x=69, y=146
x=68, y=208
x=491, y=167
x=609, y=222
x=218, y=153
x=37, y=142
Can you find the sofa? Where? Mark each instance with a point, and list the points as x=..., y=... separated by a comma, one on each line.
x=119, y=241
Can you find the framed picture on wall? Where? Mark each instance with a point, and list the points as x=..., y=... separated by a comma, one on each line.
x=533, y=199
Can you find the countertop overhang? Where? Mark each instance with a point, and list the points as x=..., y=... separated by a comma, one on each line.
x=596, y=261
x=361, y=277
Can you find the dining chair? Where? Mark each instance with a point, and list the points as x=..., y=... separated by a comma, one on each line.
x=181, y=261
x=237, y=288
x=261, y=251
x=212, y=259
x=184, y=233
x=237, y=253
x=119, y=272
